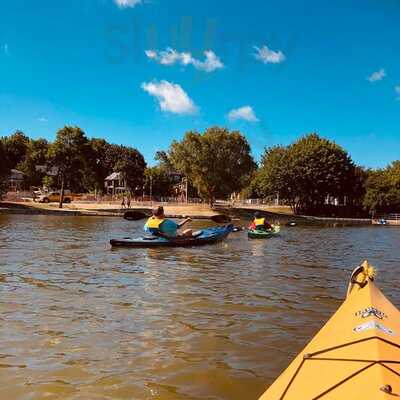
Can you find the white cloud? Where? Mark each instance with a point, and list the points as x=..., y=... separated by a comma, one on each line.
x=211, y=63
x=397, y=90
x=268, y=56
x=245, y=112
x=171, y=57
x=377, y=75
x=171, y=97
x=127, y=3
x=5, y=49
x=151, y=54
x=42, y=119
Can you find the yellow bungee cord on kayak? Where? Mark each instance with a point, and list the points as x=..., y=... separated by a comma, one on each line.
x=360, y=276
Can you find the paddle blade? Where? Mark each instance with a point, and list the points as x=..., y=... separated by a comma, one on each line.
x=221, y=219
x=134, y=215
x=291, y=223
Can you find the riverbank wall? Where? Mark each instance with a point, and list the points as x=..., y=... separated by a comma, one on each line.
x=285, y=217
x=102, y=210
x=195, y=211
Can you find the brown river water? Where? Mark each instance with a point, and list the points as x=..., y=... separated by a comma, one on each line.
x=81, y=321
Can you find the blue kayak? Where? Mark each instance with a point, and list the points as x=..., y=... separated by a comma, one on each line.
x=205, y=236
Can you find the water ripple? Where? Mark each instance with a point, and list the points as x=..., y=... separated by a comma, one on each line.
x=80, y=320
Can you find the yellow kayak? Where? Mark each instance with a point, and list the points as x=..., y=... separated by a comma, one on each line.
x=355, y=356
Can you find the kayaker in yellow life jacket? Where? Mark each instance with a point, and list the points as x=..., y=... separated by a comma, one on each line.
x=158, y=225
x=259, y=222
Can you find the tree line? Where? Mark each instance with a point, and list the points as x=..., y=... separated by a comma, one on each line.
x=311, y=172
x=82, y=164
x=307, y=174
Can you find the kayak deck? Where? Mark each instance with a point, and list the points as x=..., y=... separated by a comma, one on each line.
x=263, y=234
x=355, y=356
x=207, y=236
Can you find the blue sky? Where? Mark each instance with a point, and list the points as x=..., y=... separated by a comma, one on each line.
x=141, y=73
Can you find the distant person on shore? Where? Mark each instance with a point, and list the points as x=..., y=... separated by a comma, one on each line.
x=123, y=202
x=158, y=225
x=260, y=223
x=128, y=202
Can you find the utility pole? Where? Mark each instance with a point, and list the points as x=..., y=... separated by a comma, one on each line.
x=151, y=190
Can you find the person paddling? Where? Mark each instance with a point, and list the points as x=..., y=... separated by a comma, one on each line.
x=158, y=225
x=260, y=223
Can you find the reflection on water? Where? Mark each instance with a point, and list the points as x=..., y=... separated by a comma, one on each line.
x=82, y=321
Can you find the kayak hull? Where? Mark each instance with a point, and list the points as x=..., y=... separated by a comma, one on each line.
x=355, y=356
x=261, y=234
x=207, y=236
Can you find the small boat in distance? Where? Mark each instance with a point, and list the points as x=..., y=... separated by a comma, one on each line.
x=386, y=219
x=264, y=233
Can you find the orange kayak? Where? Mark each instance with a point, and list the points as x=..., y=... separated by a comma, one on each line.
x=355, y=356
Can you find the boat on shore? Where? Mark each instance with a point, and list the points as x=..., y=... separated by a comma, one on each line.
x=355, y=356
x=386, y=219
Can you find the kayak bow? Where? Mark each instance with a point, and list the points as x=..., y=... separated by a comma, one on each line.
x=207, y=236
x=264, y=234
x=355, y=356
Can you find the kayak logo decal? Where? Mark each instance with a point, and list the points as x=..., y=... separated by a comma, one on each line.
x=371, y=312
x=373, y=325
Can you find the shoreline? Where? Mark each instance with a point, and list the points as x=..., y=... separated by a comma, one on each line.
x=285, y=217
x=101, y=210
x=194, y=211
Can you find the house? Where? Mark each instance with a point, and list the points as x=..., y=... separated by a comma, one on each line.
x=49, y=171
x=115, y=183
x=15, y=180
x=336, y=201
x=180, y=185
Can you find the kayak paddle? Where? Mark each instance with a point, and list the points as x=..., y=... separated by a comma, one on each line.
x=221, y=218
x=134, y=215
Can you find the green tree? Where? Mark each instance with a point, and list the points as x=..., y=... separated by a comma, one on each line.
x=273, y=177
x=36, y=154
x=383, y=189
x=103, y=158
x=359, y=185
x=130, y=162
x=49, y=181
x=306, y=172
x=16, y=146
x=217, y=162
x=67, y=153
x=164, y=160
x=158, y=181
x=98, y=164
x=4, y=169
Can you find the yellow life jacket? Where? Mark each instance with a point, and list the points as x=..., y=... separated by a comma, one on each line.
x=154, y=222
x=259, y=222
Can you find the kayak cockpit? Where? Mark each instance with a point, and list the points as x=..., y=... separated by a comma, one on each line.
x=202, y=237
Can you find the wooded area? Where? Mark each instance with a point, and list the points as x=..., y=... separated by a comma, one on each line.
x=311, y=174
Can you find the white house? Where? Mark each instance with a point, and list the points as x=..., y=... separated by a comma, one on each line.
x=115, y=183
x=15, y=180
